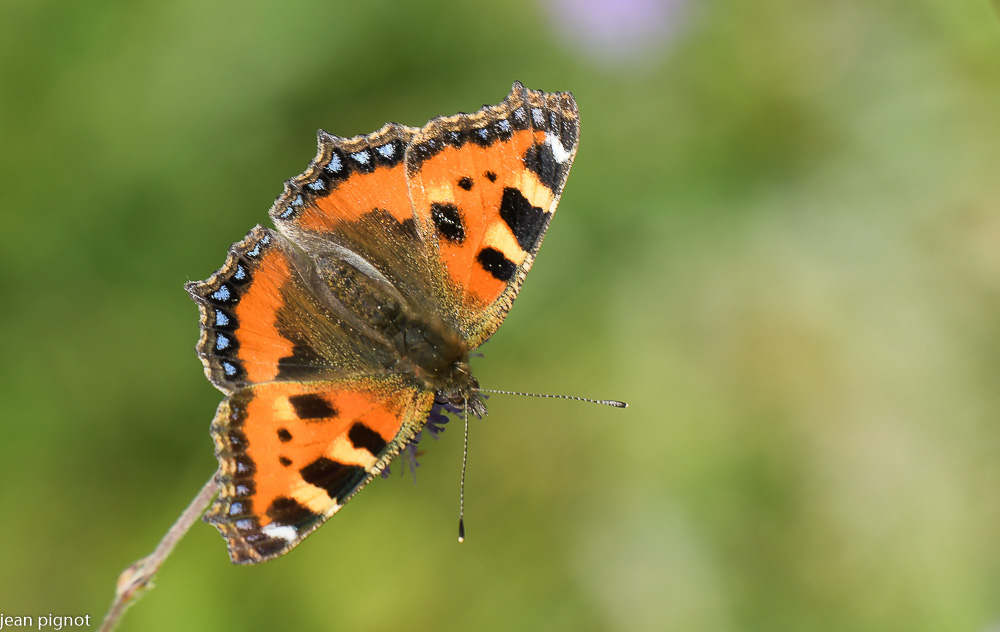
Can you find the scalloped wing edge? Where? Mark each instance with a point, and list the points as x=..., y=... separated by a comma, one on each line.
x=336, y=159
x=247, y=541
x=216, y=297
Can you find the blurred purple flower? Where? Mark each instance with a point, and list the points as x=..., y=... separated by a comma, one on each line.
x=616, y=30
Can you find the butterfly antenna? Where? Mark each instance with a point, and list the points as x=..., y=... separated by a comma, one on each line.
x=465, y=446
x=461, y=492
x=607, y=402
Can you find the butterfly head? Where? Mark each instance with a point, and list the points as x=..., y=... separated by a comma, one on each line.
x=462, y=390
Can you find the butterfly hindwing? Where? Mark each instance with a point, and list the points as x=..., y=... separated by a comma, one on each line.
x=263, y=320
x=292, y=453
x=243, y=294
x=348, y=178
x=484, y=187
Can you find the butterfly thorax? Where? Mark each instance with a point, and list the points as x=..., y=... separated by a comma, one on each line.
x=418, y=345
x=438, y=360
x=435, y=357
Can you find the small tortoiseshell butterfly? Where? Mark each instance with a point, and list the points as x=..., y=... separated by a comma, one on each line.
x=395, y=255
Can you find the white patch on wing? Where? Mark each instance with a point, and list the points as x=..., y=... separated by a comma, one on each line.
x=558, y=151
x=282, y=531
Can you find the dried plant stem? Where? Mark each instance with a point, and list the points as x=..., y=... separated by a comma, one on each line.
x=140, y=574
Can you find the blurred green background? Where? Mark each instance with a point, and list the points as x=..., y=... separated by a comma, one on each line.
x=780, y=243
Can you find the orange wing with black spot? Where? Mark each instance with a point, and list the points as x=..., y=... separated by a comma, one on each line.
x=348, y=178
x=262, y=320
x=484, y=187
x=292, y=454
x=309, y=416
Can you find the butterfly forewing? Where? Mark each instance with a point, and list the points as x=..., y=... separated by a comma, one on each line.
x=484, y=187
x=291, y=454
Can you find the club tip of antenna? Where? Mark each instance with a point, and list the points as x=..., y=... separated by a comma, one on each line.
x=615, y=403
x=461, y=530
